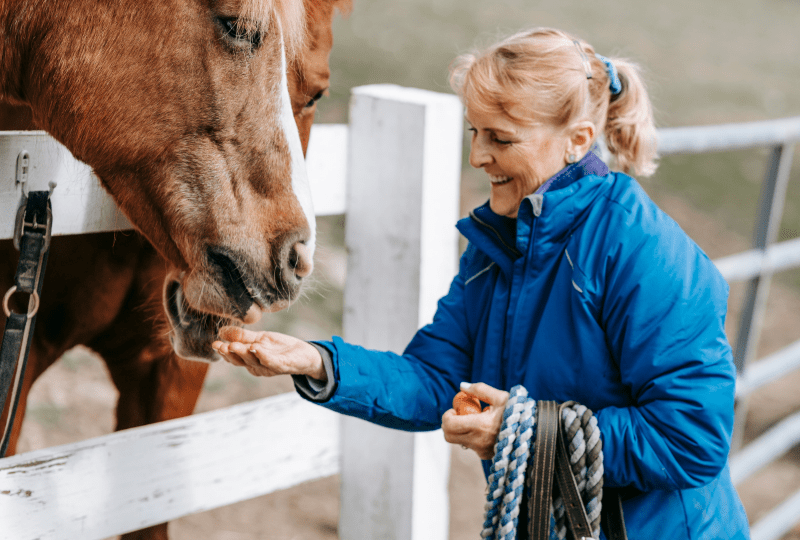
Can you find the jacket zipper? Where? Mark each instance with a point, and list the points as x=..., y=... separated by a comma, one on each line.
x=513, y=249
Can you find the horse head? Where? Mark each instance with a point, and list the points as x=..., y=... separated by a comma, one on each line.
x=182, y=108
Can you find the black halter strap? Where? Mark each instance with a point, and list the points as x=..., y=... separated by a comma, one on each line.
x=32, y=238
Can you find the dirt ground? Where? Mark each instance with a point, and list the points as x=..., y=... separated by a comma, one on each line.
x=74, y=400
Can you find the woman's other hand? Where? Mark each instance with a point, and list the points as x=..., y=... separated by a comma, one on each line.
x=265, y=354
x=477, y=431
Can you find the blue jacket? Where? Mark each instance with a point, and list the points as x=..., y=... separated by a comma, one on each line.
x=592, y=294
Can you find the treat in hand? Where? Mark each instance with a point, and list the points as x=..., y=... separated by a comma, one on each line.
x=465, y=403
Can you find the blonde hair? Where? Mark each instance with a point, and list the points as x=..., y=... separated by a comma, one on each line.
x=540, y=75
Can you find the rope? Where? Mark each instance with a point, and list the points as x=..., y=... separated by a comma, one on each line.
x=513, y=452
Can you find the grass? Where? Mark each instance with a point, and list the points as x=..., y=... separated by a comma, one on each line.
x=705, y=63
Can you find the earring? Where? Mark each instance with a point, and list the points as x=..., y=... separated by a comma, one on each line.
x=571, y=158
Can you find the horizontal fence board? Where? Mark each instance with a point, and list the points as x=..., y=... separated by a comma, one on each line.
x=326, y=160
x=778, y=522
x=765, y=449
x=755, y=262
x=82, y=205
x=768, y=369
x=724, y=137
x=148, y=475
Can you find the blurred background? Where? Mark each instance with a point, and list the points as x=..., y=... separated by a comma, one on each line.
x=710, y=62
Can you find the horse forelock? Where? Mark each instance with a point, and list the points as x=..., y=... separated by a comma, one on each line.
x=290, y=13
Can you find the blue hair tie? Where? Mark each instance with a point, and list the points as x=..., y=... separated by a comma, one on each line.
x=615, y=85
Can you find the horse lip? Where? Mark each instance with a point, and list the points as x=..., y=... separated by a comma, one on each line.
x=233, y=281
x=192, y=332
x=175, y=304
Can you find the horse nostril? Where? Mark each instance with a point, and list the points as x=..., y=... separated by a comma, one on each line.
x=231, y=279
x=300, y=260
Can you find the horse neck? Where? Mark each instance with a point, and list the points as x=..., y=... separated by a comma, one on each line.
x=19, y=20
x=9, y=58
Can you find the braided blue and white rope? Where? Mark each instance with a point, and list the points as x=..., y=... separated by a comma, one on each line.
x=513, y=452
x=502, y=505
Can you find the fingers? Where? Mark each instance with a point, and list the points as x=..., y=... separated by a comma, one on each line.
x=236, y=333
x=486, y=393
x=478, y=432
x=242, y=355
x=453, y=426
x=269, y=353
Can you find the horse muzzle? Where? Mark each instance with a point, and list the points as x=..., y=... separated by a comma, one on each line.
x=228, y=292
x=250, y=293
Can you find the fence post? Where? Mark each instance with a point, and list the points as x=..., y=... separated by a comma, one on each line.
x=773, y=195
x=404, y=162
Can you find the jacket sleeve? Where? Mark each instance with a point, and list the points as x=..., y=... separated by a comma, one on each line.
x=409, y=391
x=663, y=314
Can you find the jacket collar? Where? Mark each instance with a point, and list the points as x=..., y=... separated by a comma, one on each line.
x=557, y=203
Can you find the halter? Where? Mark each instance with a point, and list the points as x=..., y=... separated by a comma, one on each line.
x=32, y=239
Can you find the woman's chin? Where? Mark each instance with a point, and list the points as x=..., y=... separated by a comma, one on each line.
x=504, y=207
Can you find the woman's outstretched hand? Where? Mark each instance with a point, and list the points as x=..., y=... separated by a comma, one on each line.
x=477, y=431
x=265, y=354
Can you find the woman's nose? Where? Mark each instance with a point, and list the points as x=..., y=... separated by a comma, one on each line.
x=478, y=155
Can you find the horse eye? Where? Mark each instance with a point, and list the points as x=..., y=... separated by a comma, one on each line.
x=238, y=32
x=318, y=96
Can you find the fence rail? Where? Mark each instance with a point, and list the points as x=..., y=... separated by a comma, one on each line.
x=396, y=165
x=40, y=494
x=756, y=266
x=738, y=136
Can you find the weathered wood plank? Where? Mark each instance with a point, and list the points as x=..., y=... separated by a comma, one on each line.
x=405, y=161
x=82, y=205
x=143, y=476
x=326, y=160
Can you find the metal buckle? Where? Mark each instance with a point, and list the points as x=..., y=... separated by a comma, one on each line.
x=20, y=224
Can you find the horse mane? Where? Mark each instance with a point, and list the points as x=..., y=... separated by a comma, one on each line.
x=298, y=17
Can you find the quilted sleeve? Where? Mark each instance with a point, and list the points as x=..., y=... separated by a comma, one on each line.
x=664, y=313
x=409, y=391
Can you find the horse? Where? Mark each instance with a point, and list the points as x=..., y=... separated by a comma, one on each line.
x=196, y=123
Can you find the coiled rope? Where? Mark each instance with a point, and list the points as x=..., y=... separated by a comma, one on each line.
x=513, y=454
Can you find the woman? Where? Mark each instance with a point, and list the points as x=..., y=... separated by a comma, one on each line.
x=574, y=284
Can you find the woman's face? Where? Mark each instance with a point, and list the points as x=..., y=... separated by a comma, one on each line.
x=517, y=158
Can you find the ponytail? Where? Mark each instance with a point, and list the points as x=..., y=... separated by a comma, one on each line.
x=630, y=131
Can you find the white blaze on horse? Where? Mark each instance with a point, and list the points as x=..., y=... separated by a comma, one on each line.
x=182, y=109
x=188, y=111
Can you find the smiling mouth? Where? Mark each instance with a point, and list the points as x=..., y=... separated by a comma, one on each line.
x=499, y=180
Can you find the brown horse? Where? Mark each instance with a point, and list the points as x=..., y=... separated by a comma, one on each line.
x=186, y=119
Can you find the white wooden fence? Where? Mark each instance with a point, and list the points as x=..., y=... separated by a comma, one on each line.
x=395, y=172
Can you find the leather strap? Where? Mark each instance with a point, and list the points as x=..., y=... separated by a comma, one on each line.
x=551, y=460
x=33, y=246
x=613, y=521
x=542, y=470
